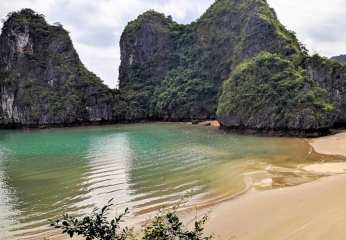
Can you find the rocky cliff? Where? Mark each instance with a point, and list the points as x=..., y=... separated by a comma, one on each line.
x=331, y=76
x=42, y=80
x=304, y=99
x=238, y=59
x=171, y=71
x=268, y=94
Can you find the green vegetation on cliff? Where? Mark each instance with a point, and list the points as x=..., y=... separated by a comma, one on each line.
x=171, y=71
x=179, y=68
x=162, y=79
x=268, y=81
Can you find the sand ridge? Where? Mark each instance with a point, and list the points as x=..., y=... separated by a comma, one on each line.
x=315, y=210
x=333, y=145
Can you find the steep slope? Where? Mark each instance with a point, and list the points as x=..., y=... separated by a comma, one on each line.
x=331, y=76
x=42, y=80
x=146, y=50
x=181, y=67
x=318, y=104
x=236, y=58
x=269, y=94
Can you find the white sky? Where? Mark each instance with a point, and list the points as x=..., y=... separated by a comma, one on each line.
x=96, y=25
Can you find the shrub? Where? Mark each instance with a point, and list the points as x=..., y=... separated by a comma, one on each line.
x=165, y=226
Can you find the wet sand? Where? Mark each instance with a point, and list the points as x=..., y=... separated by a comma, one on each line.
x=316, y=210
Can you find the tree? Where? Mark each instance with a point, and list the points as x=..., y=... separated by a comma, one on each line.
x=165, y=226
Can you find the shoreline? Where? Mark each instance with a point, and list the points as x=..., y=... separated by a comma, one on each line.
x=28, y=127
x=330, y=145
x=289, y=133
x=314, y=210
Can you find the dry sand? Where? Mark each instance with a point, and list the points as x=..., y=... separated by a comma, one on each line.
x=213, y=123
x=334, y=144
x=312, y=211
x=315, y=210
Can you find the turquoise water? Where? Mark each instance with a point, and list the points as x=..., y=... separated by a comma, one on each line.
x=45, y=173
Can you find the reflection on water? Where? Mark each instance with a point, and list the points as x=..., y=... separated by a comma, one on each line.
x=108, y=157
x=7, y=196
x=45, y=173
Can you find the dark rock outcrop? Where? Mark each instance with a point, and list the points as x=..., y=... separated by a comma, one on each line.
x=331, y=76
x=42, y=80
x=303, y=124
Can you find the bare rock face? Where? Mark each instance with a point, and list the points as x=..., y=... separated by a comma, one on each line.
x=20, y=41
x=149, y=36
x=331, y=76
x=42, y=81
x=303, y=124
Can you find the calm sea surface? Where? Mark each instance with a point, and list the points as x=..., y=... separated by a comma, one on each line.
x=46, y=173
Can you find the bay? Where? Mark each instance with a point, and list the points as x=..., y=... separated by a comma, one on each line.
x=46, y=173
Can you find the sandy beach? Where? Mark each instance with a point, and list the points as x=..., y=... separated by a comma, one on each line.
x=315, y=210
x=312, y=211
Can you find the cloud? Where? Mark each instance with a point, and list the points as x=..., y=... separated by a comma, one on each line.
x=183, y=10
x=103, y=62
x=319, y=24
x=103, y=38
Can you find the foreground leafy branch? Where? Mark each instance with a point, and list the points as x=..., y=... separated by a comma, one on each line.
x=95, y=226
x=165, y=226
